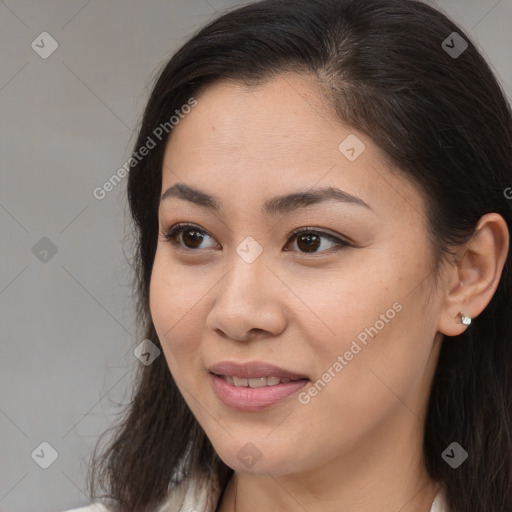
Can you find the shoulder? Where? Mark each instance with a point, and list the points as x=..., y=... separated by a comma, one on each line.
x=440, y=503
x=193, y=494
x=93, y=507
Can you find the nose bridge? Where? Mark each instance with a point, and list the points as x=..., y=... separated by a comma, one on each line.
x=243, y=301
x=247, y=267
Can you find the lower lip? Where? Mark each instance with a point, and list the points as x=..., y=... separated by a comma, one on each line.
x=253, y=399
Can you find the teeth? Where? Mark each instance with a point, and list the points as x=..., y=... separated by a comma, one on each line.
x=259, y=382
x=239, y=382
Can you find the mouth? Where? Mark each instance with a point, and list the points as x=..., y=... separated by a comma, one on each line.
x=253, y=386
x=253, y=370
x=256, y=382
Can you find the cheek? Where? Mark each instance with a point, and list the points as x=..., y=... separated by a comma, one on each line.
x=175, y=310
x=345, y=306
x=374, y=339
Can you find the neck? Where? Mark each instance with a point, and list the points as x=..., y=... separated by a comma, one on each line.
x=234, y=500
x=381, y=475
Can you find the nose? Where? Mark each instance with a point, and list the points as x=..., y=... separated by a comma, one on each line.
x=248, y=302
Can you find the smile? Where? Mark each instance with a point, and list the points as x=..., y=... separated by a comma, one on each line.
x=260, y=382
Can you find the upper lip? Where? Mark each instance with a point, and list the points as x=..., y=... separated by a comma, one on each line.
x=253, y=370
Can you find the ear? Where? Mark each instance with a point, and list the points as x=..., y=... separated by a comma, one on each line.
x=474, y=277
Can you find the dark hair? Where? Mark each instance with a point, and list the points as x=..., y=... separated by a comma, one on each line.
x=443, y=121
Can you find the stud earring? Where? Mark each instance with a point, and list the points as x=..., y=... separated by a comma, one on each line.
x=466, y=320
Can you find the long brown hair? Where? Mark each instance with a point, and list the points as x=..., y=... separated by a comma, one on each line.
x=444, y=121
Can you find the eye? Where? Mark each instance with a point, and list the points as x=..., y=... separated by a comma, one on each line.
x=192, y=236
x=308, y=239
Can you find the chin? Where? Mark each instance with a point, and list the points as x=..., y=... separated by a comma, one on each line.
x=264, y=461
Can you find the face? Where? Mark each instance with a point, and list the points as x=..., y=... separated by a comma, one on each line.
x=344, y=310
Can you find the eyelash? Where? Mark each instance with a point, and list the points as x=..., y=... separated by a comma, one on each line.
x=171, y=235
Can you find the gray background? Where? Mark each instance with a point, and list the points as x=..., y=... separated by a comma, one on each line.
x=67, y=124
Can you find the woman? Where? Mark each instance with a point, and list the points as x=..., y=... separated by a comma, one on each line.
x=319, y=190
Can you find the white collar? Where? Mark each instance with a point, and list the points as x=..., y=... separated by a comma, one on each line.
x=194, y=495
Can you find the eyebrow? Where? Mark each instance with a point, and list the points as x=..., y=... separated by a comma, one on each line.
x=274, y=206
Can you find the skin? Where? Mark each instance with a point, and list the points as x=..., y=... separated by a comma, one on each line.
x=357, y=444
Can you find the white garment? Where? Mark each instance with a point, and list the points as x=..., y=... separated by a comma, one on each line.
x=192, y=498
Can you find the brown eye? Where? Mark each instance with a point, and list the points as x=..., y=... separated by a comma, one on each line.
x=309, y=240
x=191, y=236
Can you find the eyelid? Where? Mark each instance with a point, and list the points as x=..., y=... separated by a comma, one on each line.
x=321, y=231
x=170, y=234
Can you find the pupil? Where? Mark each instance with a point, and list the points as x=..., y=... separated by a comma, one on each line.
x=196, y=237
x=311, y=241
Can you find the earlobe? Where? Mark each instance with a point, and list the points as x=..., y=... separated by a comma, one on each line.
x=453, y=324
x=464, y=319
x=473, y=280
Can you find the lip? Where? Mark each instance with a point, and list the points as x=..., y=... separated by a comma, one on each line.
x=253, y=399
x=253, y=370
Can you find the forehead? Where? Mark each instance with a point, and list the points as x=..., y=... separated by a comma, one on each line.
x=273, y=138
x=283, y=113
